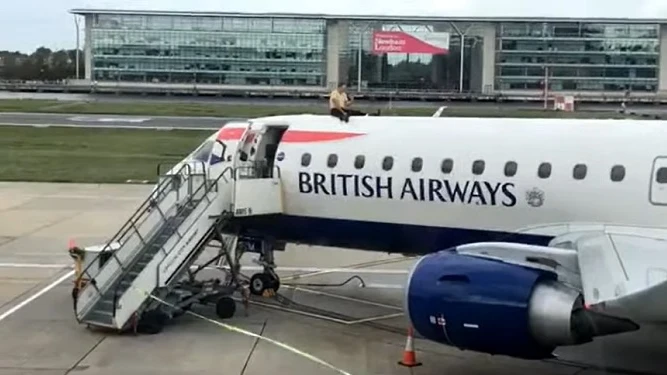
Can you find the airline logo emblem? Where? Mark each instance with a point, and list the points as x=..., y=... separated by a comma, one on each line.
x=535, y=197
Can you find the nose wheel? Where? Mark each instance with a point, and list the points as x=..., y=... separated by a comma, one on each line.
x=261, y=282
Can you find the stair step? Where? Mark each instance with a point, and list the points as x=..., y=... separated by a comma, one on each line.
x=100, y=311
x=95, y=317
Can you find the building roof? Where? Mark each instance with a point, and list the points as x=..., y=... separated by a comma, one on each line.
x=87, y=11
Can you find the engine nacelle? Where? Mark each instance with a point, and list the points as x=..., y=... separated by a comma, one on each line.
x=494, y=307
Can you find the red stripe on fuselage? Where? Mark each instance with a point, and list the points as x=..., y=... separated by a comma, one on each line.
x=291, y=136
x=303, y=136
x=230, y=134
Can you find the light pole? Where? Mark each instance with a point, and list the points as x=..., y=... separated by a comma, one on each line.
x=546, y=87
x=463, y=46
x=76, y=23
x=360, y=55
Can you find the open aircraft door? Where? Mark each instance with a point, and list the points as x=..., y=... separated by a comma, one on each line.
x=658, y=187
x=245, y=151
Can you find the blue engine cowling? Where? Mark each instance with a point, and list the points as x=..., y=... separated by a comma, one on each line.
x=489, y=306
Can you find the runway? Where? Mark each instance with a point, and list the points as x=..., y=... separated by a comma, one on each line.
x=296, y=102
x=357, y=328
x=113, y=121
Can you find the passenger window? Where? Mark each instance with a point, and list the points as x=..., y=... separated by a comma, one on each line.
x=417, y=164
x=447, y=166
x=617, y=173
x=579, y=171
x=661, y=176
x=478, y=167
x=544, y=171
x=305, y=159
x=359, y=161
x=387, y=163
x=510, y=168
x=332, y=160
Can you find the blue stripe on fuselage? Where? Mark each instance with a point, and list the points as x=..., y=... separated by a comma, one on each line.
x=373, y=236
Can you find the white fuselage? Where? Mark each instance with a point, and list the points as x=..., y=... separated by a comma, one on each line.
x=460, y=180
x=419, y=185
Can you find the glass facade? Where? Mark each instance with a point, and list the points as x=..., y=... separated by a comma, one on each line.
x=211, y=50
x=276, y=50
x=577, y=56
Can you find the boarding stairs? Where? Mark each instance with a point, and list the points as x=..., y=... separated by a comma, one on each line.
x=165, y=236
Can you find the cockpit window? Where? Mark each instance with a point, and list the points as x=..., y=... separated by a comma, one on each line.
x=203, y=152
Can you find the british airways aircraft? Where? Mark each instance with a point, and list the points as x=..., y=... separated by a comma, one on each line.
x=533, y=233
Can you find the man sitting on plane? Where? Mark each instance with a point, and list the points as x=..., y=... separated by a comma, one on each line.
x=339, y=104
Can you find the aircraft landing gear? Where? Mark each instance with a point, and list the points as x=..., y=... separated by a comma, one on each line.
x=268, y=280
x=261, y=282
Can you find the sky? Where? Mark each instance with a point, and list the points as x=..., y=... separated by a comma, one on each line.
x=28, y=24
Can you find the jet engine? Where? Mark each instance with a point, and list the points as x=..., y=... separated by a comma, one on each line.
x=486, y=305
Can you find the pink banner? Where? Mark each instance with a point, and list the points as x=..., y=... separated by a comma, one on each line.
x=404, y=42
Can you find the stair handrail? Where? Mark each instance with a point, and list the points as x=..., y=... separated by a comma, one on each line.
x=179, y=209
x=161, y=187
x=207, y=187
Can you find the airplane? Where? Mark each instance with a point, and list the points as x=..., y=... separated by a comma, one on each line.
x=532, y=234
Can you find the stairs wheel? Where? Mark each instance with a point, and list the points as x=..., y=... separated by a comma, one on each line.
x=152, y=322
x=225, y=307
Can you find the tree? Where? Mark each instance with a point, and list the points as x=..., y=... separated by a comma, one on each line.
x=43, y=65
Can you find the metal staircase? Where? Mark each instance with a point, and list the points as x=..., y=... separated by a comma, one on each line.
x=164, y=233
x=103, y=310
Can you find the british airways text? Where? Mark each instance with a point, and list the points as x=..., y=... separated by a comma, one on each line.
x=418, y=189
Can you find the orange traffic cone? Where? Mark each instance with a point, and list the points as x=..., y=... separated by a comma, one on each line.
x=409, y=355
x=71, y=244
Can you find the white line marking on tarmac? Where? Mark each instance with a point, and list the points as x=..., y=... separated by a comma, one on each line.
x=326, y=270
x=384, y=286
x=33, y=265
x=345, y=298
x=36, y=295
x=375, y=318
x=89, y=126
x=324, y=317
x=109, y=119
x=299, y=312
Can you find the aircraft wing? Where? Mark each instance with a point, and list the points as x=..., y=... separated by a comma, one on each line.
x=619, y=273
x=624, y=274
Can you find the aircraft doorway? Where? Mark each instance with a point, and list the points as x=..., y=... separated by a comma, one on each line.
x=658, y=188
x=263, y=152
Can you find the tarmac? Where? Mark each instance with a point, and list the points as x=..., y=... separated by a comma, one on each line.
x=43, y=120
x=360, y=330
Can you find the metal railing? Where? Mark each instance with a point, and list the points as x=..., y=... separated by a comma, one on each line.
x=130, y=225
x=206, y=186
x=208, y=203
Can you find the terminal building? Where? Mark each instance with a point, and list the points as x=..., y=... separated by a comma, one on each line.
x=484, y=56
